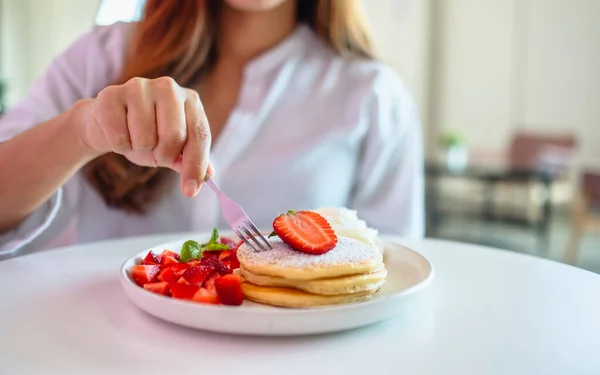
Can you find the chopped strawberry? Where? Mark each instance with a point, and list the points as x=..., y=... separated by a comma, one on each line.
x=166, y=260
x=234, y=263
x=197, y=274
x=216, y=264
x=183, y=291
x=158, y=288
x=143, y=274
x=209, y=260
x=210, y=281
x=169, y=253
x=210, y=254
x=168, y=274
x=151, y=259
x=305, y=231
x=222, y=269
x=179, y=268
x=200, y=280
x=226, y=254
x=229, y=258
x=203, y=295
x=229, y=290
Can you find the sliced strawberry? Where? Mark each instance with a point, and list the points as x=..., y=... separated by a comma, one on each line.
x=181, y=280
x=151, y=259
x=203, y=295
x=166, y=260
x=158, y=288
x=305, y=231
x=229, y=290
x=197, y=274
x=143, y=274
x=216, y=264
x=169, y=253
x=183, y=291
x=169, y=275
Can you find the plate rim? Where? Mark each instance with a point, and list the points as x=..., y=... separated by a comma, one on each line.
x=125, y=278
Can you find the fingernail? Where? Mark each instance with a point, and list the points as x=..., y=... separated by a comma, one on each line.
x=190, y=188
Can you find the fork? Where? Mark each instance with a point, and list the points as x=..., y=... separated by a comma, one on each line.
x=237, y=219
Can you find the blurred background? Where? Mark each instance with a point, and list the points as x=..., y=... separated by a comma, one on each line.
x=508, y=91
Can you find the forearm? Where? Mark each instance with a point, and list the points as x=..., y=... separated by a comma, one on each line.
x=35, y=164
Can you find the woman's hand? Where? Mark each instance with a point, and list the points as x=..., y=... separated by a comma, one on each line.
x=154, y=123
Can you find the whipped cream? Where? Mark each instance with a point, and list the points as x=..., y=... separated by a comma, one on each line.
x=346, y=223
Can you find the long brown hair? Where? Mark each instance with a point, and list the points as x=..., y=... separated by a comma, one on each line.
x=177, y=38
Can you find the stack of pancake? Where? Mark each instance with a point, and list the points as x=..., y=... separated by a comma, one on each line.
x=353, y=271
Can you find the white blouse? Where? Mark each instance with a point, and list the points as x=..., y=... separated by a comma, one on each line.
x=310, y=129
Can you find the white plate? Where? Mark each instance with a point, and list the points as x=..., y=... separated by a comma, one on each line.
x=408, y=272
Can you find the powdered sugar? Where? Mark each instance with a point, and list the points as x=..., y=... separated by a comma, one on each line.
x=347, y=252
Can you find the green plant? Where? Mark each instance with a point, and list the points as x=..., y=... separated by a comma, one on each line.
x=452, y=139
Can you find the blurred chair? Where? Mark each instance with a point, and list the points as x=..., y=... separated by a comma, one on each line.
x=530, y=151
x=585, y=213
x=547, y=152
x=550, y=154
x=517, y=185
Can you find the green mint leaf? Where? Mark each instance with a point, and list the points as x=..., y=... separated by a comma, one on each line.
x=273, y=234
x=190, y=250
x=216, y=247
x=215, y=236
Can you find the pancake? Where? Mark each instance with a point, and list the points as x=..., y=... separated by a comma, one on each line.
x=340, y=285
x=349, y=257
x=285, y=297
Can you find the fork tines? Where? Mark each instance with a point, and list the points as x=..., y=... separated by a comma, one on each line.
x=249, y=231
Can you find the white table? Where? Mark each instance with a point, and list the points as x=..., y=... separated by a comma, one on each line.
x=487, y=312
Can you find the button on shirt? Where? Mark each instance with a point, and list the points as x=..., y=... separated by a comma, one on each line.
x=310, y=129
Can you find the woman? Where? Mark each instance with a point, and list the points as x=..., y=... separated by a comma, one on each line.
x=294, y=111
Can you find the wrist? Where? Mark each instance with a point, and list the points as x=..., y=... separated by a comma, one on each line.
x=75, y=119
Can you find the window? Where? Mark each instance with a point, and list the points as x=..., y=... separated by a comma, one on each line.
x=112, y=11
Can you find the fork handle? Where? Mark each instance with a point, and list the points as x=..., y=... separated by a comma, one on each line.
x=212, y=185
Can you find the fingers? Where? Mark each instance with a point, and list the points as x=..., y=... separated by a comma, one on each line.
x=141, y=119
x=170, y=121
x=110, y=113
x=210, y=170
x=161, y=120
x=195, y=158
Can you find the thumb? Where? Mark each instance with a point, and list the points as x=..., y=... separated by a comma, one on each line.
x=210, y=170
